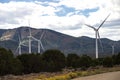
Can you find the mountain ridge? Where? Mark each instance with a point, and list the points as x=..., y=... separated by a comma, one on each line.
x=55, y=40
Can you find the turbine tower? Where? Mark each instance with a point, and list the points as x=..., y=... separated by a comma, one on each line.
x=40, y=43
x=113, y=49
x=30, y=37
x=29, y=40
x=97, y=34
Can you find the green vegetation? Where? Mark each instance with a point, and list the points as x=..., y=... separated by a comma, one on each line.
x=51, y=61
x=85, y=62
x=31, y=62
x=73, y=60
x=54, y=60
x=108, y=62
x=8, y=63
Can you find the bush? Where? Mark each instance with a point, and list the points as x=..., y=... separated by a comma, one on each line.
x=108, y=62
x=73, y=60
x=116, y=59
x=31, y=62
x=85, y=62
x=54, y=60
x=9, y=64
x=95, y=63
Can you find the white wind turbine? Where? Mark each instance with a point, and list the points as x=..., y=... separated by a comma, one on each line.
x=30, y=40
x=29, y=37
x=97, y=34
x=21, y=43
x=40, y=45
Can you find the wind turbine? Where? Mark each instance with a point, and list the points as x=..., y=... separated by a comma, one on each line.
x=40, y=45
x=30, y=40
x=40, y=42
x=30, y=37
x=97, y=34
x=113, y=48
x=19, y=46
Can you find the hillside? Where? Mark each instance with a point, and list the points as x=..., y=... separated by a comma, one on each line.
x=54, y=40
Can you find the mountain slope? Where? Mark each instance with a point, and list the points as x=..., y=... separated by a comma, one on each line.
x=54, y=40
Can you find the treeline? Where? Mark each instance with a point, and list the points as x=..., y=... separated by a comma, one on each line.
x=49, y=61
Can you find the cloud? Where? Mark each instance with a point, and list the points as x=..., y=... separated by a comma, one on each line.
x=62, y=23
x=112, y=23
x=80, y=5
x=11, y=12
x=39, y=15
x=66, y=16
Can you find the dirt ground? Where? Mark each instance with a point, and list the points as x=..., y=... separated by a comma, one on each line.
x=31, y=76
x=104, y=76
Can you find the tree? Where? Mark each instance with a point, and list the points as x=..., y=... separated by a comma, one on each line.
x=54, y=60
x=108, y=62
x=95, y=62
x=9, y=64
x=85, y=62
x=16, y=66
x=31, y=62
x=116, y=59
x=73, y=60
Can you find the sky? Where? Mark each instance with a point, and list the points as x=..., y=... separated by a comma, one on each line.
x=65, y=16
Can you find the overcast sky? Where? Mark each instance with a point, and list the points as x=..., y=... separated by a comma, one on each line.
x=66, y=16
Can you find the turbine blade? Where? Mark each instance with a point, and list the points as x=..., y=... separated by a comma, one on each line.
x=18, y=44
x=34, y=38
x=19, y=39
x=29, y=28
x=23, y=44
x=103, y=22
x=42, y=35
x=100, y=41
x=42, y=45
x=28, y=22
x=90, y=26
x=16, y=49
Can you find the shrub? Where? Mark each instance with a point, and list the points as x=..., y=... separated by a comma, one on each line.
x=108, y=62
x=31, y=62
x=9, y=64
x=72, y=75
x=116, y=59
x=85, y=62
x=73, y=60
x=54, y=60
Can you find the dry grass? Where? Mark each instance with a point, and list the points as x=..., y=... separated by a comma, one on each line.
x=65, y=75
